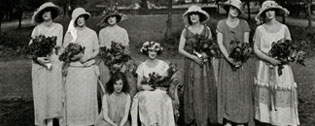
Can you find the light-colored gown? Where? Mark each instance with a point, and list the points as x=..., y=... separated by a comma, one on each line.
x=281, y=106
x=47, y=84
x=81, y=82
x=116, y=106
x=153, y=107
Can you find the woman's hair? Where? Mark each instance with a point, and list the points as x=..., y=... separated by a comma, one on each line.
x=263, y=15
x=52, y=12
x=151, y=45
x=113, y=79
x=201, y=17
x=227, y=9
x=118, y=18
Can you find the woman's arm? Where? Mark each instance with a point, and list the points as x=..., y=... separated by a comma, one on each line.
x=95, y=51
x=181, y=50
x=222, y=48
x=246, y=37
x=259, y=53
x=127, y=108
x=105, y=111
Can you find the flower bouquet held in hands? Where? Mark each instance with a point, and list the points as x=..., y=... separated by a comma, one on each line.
x=240, y=53
x=205, y=48
x=114, y=57
x=69, y=55
x=41, y=46
x=286, y=51
x=155, y=80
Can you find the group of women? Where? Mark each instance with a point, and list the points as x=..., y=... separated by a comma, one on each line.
x=213, y=91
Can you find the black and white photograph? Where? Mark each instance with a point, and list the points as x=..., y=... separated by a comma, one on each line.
x=157, y=63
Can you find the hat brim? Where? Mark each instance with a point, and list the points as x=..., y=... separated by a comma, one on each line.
x=226, y=6
x=104, y=22
x=281, y=9
x=38, y=15
x=203, y=20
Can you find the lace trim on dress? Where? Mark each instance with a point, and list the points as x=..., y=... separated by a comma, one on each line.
x=277, y=87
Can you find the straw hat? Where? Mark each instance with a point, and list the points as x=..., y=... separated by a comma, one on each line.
x=270, y=5
x=48, y=6
x=234, y=3
x=80, y=12
x=112, y=12
x=204, y=16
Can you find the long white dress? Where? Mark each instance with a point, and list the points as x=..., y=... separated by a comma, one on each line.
x=153, y=107
x=279, y=107
x=47, y=84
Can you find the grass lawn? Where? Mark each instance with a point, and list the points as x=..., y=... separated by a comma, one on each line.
x=15, y=78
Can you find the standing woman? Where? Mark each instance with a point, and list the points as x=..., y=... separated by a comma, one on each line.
x=81, y=81
x=111, y=33
x=199, y=83
x=47, y=84
x=235, y=105
x=275, y=96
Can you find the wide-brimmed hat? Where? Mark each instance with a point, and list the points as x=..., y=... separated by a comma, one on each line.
x=234, y=3
x=204, y=16
x=112, y=12
x=270, y=5
x=80, y=12
x=48, y=6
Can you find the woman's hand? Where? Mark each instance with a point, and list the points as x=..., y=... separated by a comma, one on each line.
x=43, y=60
x=236, y=64
x=146, y=87
x=77, y=57
x=274, y=62
x=197, y=60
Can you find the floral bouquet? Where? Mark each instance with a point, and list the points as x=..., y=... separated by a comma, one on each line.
x=114, y=57
x=69, y=54
x=155, y=80
x=205, y=48
x=41, y=46
x=240, y=52
x=286, y=51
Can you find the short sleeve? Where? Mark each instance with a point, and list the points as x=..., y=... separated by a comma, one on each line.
x=101, y=38
x=125, y=38
x=60, y=35
x=246, y=27
x=257, y=36
x=95, y=41
x=209, y=32
x=164, y=68
x=287, y=33
x=35, y=33
x=140, y=71
x=220, y=26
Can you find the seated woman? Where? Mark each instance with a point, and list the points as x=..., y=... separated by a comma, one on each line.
x=116, y=102
x=152, y=103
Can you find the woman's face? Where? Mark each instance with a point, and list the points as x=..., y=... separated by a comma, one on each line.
x=47, y=16
x=270, y=14
x=112, y=20
x=80, y=21
x=118, y=86
x=233, y=12
x=194, y=18
x=152, y=54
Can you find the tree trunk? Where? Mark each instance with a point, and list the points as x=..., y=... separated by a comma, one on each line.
x=309, y=3
x=248, y=9
x=169, y=20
